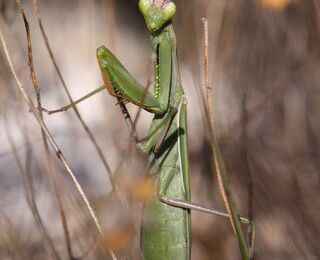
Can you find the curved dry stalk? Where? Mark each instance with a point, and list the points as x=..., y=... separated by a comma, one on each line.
x=49, y=137
x=11, y=235
x=218, y=161
x=49, y=163
x=50, y=168
x=64, y=85
x=121, y=103
x=245, y=152
x=29, y=193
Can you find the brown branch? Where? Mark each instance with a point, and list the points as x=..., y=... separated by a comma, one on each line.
x=209, y=110
x=49, y=163
x=218, y=161
x=49, y=136
x=50, y=168
x=11, y=236
x=64, y=85
x=246, y=162
x=29, y=193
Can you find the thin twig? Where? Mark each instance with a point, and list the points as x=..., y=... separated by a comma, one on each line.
x=84, y=125
x=49, y=136
x=245, y=153
x=209, y=109
x=50, y=168
x=7, y=151
x=29, y=192
x=219, y=165
x=49, y=163
x=11, y=234
x=206, y=71
x=209, y=94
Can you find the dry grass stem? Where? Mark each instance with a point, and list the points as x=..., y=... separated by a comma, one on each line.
x=245, y=152
x=49, y=136
x=11, y=236
x=64, y=85
x=29, y=193
x=209, y=109
x=220, y=170
x=49, y=163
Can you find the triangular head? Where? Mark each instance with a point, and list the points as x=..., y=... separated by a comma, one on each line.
x=157, y=12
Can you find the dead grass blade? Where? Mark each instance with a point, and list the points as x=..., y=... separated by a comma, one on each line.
x=219, y=165
x=49, y=136
x=50, y=169
x=29, y=193
x=66, y=89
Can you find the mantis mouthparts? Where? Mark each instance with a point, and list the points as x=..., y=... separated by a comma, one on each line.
x=161, y=3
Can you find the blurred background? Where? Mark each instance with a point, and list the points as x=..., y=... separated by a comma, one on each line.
x=264, y=71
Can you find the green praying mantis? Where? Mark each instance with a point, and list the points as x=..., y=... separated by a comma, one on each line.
x=165, y=232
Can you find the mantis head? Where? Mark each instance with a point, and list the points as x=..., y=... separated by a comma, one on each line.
x=157, y=12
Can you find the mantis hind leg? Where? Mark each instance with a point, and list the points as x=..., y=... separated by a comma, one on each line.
x=184, y=168
x=197, y=207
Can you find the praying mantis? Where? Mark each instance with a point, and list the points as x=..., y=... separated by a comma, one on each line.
x=165, y=232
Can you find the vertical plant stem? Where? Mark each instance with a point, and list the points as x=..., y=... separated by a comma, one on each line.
x=29, y=193
x=50, y=138
x=250, y=187
x=220, y=168
x=66, y=89
x=49, y=163
x=11, y=237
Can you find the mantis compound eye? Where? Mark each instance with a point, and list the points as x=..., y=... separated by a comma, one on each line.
x=144, y=6
x=101, y=52
x=169, y=10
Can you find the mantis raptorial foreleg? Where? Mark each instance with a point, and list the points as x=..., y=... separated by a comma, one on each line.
x=144, y=144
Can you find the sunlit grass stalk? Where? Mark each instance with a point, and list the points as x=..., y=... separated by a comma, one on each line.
x=219, y=165
x=29, y=192
x=27, y=98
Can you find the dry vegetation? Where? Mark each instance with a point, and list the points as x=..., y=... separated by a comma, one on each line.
x=264, y=70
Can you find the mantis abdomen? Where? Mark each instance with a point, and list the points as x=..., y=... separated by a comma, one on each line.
x=166, y=229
